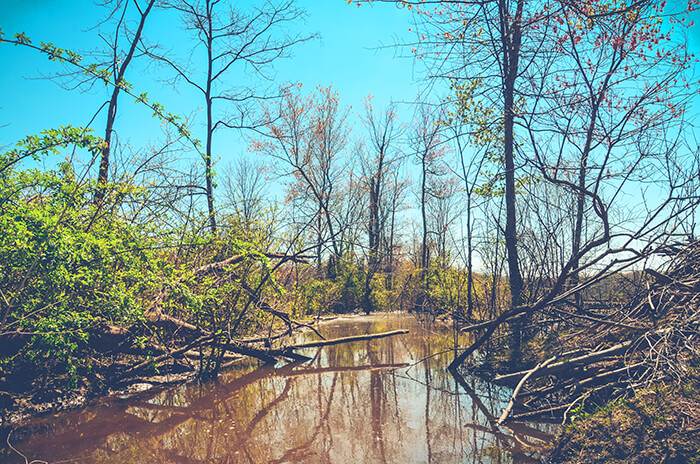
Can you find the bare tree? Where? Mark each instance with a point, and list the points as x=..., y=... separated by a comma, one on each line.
x=428, y=150
x=383, y=135
x=231, y=42
x=589, y=99
x=307, y=136
x=245, y=187
x=383, y=155
x=119, y=63
x=601, y=110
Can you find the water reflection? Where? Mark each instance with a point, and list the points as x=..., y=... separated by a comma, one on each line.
x=380, y=401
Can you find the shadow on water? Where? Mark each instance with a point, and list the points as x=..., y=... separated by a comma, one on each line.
x=389, y=400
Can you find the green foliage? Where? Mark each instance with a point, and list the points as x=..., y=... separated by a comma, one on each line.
x=314, y=296
x=68, y=265
x=65, y=264
x=484, y=123
x=49, y=142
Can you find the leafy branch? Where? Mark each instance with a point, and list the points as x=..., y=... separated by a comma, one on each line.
x=65, y=56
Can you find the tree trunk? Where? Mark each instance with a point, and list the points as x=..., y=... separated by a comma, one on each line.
x=208, y=173
x=120, y=70
x=511, y=53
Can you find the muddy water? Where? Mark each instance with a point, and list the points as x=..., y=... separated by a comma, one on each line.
x=381, y=401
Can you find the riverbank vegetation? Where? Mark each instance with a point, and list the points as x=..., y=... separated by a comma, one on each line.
x=544, y=198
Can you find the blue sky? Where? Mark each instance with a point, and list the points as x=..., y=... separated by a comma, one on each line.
x=346, y=56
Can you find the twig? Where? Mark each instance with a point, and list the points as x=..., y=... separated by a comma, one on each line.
x=308, y=326
x=580, y=398
x=26, y=461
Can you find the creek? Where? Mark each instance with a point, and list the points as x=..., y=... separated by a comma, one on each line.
x=388, y=400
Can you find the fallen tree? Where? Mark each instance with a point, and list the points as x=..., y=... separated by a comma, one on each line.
x=654, y=337
x=266, y=355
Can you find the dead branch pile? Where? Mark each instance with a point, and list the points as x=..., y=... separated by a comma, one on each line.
x=606, y=353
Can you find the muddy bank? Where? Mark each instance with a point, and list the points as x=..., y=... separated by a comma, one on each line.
x=54, y=397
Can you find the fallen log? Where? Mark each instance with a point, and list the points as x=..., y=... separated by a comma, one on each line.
x=337, y=341
x=659, y=277
x=12, y=342
x=194, y=354
x=271, y=354
x=156, y=317
x=605, y=376
x=540, y=412
x=102, y=337
x=579, y=384
x=266, y=356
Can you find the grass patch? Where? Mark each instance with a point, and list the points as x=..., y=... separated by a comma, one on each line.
x=659, y=425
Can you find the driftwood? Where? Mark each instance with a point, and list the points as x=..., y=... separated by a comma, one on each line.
x=514, y=396
x=337, y=341
x=288, y=351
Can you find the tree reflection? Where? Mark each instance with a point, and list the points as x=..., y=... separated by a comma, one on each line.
x=388, y=400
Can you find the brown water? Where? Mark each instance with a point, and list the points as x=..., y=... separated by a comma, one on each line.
x=389, y=400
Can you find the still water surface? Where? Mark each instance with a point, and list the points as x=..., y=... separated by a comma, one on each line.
x=388, y=400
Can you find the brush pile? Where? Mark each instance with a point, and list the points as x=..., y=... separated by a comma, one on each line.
x=595, y=356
